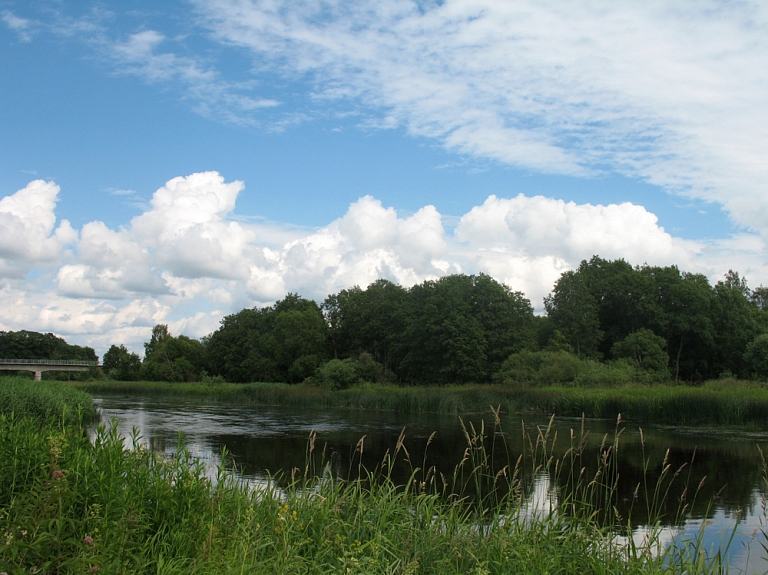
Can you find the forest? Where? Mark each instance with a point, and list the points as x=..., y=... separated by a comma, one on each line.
x=606, y=323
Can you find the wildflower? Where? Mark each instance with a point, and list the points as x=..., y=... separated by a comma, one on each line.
x=58, y=474
x=87, y=539
x=95, y=568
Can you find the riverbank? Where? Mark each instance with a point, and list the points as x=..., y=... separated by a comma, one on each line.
x=72, y=505
x=45, y=401
x=721, y=402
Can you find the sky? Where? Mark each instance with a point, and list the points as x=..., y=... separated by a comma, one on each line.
x=177, y=162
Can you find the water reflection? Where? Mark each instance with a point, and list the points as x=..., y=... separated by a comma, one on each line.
x=720, y=472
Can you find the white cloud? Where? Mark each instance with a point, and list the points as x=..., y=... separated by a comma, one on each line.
x=187, y=260
x=19, y=25
x=27, y=234
x=527, y=242
x=671, y=93
x=212, y=95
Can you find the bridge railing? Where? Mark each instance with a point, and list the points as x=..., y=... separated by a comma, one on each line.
x=47, y=362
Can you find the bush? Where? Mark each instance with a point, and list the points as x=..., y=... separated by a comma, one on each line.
x=645, y=349
x=615, y=373
x=345, y=373
x=337, y=374
x=756, y=357
x=539, y=368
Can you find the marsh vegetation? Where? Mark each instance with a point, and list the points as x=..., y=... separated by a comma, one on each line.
x=72, y=504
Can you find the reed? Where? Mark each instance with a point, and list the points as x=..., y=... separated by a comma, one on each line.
x=728, y=402
x=45, y=401
x=70, y=505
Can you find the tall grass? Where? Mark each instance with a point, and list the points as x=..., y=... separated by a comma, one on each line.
x=45, y=401
x=68, y=505
x=728, y=402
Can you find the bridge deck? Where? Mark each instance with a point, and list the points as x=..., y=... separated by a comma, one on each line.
x=38, y=366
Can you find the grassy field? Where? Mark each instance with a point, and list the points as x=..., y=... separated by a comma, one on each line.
x=72, y=505
x=726, y=402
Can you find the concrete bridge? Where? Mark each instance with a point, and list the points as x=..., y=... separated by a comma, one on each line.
x=38, y=366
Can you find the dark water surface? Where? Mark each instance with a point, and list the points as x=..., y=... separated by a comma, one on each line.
x=269, y=442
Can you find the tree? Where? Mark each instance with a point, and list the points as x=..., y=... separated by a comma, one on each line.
x=683, y=320
x=460, y=328
x=283, y=343
x=366, y=321
x=120, y=364
x=171, y=358
x=736, y=322
x=33, y=345
x=756, y=357
x=574, y=312
x=159, y=334
x=298, y=342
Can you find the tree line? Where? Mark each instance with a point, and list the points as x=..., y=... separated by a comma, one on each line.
x=604, y=320
x=33, y=345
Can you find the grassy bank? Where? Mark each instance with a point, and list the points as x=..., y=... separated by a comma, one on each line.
x=727, y=402
x=45, y=401
x=68, y=505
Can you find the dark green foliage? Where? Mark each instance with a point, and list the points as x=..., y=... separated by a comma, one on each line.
x=367, y=321
x=45, y=401
x=283, y=342
x=756, y=357
x=33, y=345
x=683, y=320
x=346, y=373
x=171, y=358
x=573, y=311
x=736, y=321
x=120, y=364
x=644, y=349
x=538, y=368
x=705, y=329
x=460, y=329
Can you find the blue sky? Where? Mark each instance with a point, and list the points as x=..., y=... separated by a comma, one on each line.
x=174, y=162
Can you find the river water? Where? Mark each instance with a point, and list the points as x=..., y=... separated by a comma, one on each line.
x=268, y=444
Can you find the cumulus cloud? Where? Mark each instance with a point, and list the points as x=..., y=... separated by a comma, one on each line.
x=29, y=234
x=187, y=260
x=673, y=94
x=367, y=243
x=528, y=242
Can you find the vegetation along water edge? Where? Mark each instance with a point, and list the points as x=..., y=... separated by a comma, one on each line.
x=719, y=402
x=72, y=504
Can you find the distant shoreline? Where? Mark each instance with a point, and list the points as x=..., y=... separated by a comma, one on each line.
x=720, y=402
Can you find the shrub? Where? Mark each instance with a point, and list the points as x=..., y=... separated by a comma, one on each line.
x=337, y=374
x=345, y=373
x=645, y=349
x=539, y=368
x=615, y=373
x=756, y=357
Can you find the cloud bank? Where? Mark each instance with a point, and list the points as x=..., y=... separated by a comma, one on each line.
x=188, y=259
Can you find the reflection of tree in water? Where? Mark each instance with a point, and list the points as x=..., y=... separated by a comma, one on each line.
x=732, y=469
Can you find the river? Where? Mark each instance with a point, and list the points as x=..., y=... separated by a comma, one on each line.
x=265, y=443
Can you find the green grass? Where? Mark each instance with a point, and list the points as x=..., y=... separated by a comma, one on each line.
x=727, y=402
x=68, y=505
x=45, y=401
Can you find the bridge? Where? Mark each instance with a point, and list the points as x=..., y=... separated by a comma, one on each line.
x=38, y=366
